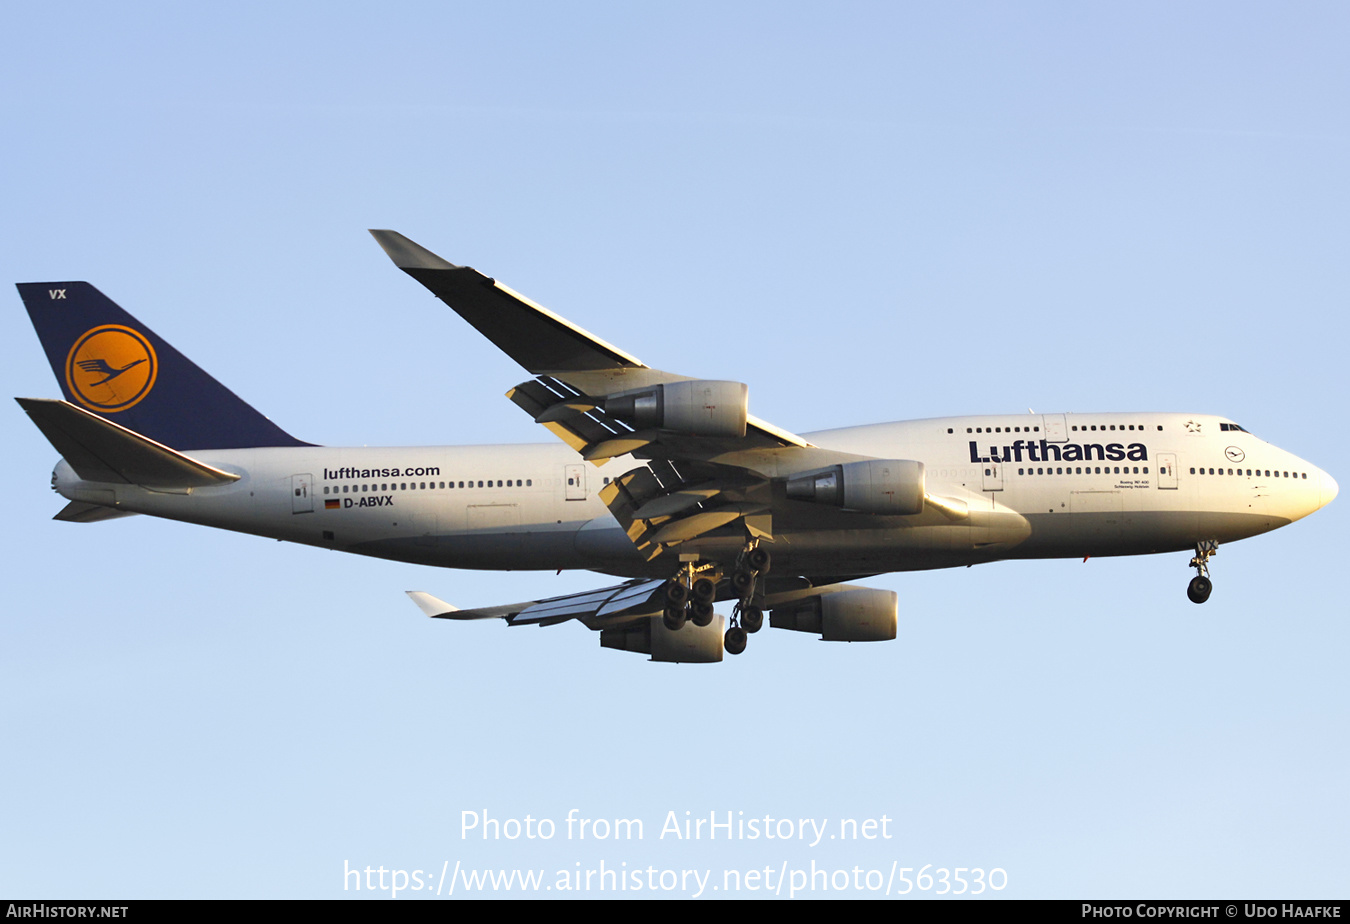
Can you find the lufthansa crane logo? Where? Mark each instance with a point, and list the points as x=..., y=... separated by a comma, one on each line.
x=110, y=368
x=1234, y=454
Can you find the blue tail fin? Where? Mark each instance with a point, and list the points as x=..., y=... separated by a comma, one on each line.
x=109, y=363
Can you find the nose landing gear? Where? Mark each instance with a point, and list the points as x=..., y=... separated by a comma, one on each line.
x=1199, y=589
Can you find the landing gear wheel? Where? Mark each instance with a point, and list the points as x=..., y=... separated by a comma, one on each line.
x=743, y=582
x=1201, y=585
x=752, y=619
x=734, y=642
x=759, y=560
x=701, y=613
x=673, y=618
x=705, y=591
x=677, y=593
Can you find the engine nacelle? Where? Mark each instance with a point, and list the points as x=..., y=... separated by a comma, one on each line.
x=689, y=644
x=860, y=614
x=889, y=487
x=701, y=408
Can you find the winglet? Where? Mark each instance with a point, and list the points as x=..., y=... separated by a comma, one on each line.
x=408, y=254
x=430, y=605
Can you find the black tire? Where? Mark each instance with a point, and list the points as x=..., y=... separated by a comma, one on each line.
x=752, y=619
x=759, y=560
x=1199, y=589
x=701, y=614
x=677, y=594
x=705, y=591
x=673, y=618
x=743, y=582
x=734, y=642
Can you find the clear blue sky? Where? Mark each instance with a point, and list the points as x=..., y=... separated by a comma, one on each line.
x=866, y=211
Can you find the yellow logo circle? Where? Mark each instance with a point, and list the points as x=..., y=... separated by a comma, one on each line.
x=110, y=368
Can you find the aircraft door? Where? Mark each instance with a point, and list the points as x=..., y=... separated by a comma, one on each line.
x=1167, y=470
x=302, y=494
x=1055, y=429
x=993, y=476
x=574, y=476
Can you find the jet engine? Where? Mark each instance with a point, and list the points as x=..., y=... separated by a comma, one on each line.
x=690, y=644
x=859, y=614
x=889, y=487
x=700, y=408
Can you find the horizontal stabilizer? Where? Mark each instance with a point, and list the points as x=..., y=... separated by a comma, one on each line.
x=100, y=450
x=80, y=512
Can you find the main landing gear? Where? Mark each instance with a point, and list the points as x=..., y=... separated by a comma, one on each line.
x=1199, y=589
x=746, y=617
x=691, y=593
x=689, y=598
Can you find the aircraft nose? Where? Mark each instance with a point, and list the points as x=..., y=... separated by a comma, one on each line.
x=1329, y=489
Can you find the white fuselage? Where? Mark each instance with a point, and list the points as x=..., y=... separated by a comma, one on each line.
x=1025, y=486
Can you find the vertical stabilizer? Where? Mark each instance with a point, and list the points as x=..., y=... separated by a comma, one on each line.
x=109, y=363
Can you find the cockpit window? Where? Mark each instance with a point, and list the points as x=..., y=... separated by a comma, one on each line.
x=1232, y=426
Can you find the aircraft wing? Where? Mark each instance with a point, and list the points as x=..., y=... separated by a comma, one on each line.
x=594, y=607
x=711, y=462
x=546, y=345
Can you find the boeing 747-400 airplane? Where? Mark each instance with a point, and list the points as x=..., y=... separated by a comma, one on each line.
x=658, y=478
